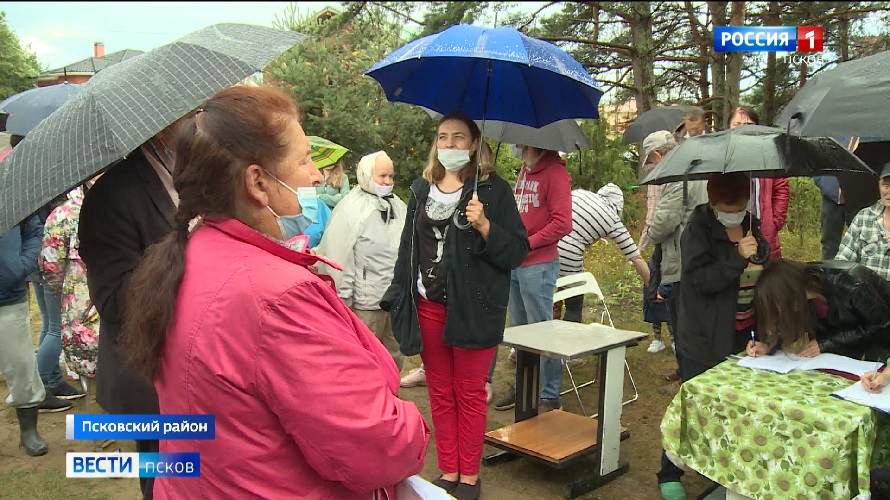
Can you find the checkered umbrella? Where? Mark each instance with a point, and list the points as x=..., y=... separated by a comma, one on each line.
x=325, y=152
x=125, y=105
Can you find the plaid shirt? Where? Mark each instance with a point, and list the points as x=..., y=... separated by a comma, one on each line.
x=864, y=241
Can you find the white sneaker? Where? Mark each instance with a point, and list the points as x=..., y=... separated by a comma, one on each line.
x=489, y=392
x=414, y=378
x=655, y=346
x=512, y=355
x=674, y=346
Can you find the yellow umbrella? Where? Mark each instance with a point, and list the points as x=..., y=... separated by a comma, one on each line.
x=325, y=152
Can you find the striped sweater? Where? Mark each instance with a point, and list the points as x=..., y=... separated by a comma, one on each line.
x=593, y=217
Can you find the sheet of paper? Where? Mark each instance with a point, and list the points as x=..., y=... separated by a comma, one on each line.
x=779, y=362
x=783, y=362
x=857, y=394
x=839, y=363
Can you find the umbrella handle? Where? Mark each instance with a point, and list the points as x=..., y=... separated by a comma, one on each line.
x=482, y=132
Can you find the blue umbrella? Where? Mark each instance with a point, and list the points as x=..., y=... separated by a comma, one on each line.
x=27, y=109
x=489, y=73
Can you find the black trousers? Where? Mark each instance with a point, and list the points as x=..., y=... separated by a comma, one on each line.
x=147, y=483
x=833, y=218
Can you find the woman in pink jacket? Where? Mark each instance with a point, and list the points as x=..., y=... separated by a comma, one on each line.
x=769, y=197
x=230, y=320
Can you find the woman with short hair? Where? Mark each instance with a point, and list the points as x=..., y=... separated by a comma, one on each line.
x=722, y=252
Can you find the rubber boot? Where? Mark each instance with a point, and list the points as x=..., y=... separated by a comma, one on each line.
x=30, y=439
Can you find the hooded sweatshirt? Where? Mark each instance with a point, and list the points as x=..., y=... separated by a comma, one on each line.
x=544, y=196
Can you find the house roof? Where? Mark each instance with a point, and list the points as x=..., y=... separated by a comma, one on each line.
x=93, y=64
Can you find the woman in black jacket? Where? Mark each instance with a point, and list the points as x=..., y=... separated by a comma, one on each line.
x=830, y=306
x=722, y=250
x=451, y=283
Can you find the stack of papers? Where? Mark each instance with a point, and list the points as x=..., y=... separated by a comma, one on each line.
x=857, y=394
x=783, y=362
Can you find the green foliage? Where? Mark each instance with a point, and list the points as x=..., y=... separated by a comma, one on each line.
x=18, y=68
x=804, y=210
x=324, y=75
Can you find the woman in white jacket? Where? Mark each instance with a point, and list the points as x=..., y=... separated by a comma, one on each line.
x=363, y=237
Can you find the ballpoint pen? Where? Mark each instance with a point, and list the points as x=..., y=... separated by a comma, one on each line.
x=753, y=342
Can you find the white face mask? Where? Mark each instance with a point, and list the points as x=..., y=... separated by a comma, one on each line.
x=731, y=219
x=453, y=159
x=516, y=150
x=380, y=189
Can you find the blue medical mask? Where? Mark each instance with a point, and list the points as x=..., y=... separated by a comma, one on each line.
x=307, y=197
x=294, y=225
x=453, y=159
x=291, y=225
x=731, y=219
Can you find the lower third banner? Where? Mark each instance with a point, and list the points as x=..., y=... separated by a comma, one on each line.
x=132, y=464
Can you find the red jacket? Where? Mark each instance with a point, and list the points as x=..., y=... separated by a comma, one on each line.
x=773, y=209
x=304, y=395
x=544, y=197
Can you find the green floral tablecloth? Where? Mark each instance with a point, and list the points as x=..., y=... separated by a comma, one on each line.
x=773, y=436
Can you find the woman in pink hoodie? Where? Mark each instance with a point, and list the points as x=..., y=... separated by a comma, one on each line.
x=230, y=320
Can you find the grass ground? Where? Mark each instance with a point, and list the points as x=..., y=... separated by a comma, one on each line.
x=44, y=477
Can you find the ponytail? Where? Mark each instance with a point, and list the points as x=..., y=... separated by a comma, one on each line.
x=235, y=128
x=151, y=301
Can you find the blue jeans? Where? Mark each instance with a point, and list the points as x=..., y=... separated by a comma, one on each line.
x=50, y=346
x=531, y=301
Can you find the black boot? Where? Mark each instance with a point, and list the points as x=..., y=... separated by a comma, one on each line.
x=31, y=440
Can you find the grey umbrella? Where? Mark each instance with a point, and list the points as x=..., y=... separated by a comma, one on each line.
x=126, y=104
x=28, y=108
x=759, y=150
x=660, y=118
x=561, y=135
x=851, y=99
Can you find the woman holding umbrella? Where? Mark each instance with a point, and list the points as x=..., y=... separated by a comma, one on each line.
x=335, y=185
x=327, y=156
x=722, y=252
x=448, y=297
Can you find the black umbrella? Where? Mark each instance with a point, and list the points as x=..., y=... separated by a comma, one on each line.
x=860, y=190
x=661, y=118
x=126, y=104
x=759, y=150
x=851, y=99
x=30, y=107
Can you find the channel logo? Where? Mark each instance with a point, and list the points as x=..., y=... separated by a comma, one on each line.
x=768, y=39
x=102, y=465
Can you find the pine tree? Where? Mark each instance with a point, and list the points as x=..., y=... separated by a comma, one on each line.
x=18, y=67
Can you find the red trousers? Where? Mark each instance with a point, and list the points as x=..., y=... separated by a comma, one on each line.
x=455, y=379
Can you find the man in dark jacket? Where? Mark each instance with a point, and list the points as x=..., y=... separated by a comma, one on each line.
x=834, y=215
x=127, y=210
x=18, y=258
